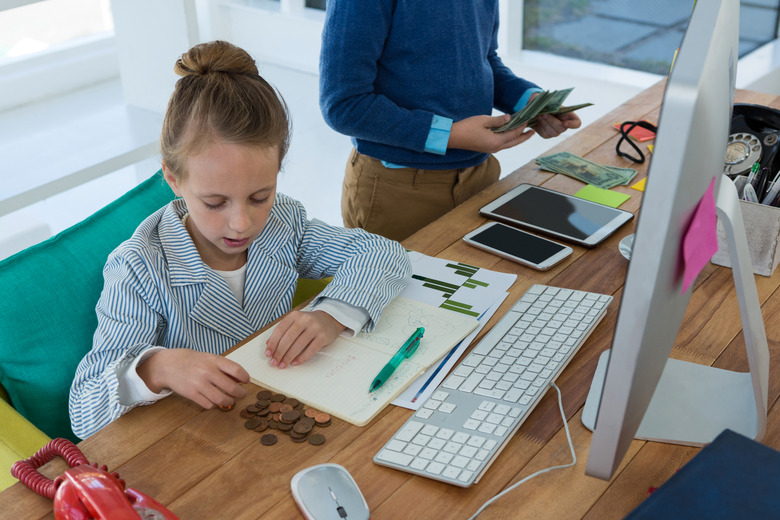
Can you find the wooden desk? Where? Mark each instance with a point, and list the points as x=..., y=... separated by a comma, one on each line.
x=205, y=464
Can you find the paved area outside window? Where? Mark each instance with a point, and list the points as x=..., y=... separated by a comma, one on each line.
x=636, y=34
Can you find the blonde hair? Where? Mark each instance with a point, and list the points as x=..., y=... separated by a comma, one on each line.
x=220, y=95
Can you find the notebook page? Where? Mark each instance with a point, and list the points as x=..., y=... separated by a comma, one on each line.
x=336, y=380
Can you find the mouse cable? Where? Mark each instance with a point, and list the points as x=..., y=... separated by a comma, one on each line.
x=529, y=477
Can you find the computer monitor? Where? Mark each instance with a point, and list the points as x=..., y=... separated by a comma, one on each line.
x=638, y=391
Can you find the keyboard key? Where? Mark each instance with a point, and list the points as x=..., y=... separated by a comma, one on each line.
x=419, y=464
x=435, y=468
x=408, y=431
x=395, y=457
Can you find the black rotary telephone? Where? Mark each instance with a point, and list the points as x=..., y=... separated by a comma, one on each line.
x=754, y=139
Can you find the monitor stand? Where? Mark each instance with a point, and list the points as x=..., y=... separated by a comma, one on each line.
x=693, y=403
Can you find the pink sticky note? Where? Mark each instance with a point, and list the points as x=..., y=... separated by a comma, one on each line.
x=701, y=237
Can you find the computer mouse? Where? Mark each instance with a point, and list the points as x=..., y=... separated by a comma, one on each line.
x=328, y=491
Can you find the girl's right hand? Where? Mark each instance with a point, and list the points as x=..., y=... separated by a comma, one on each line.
x=207, y=379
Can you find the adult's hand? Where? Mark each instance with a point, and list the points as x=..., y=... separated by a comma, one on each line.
x=475, y=134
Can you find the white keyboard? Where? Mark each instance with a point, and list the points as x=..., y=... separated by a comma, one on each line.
x=460, y=430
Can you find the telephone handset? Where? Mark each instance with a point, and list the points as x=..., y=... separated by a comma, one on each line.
x=86, y=492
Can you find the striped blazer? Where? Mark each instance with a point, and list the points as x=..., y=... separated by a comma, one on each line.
x=158, y=292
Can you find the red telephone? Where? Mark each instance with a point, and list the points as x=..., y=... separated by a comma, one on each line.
x=86, y=492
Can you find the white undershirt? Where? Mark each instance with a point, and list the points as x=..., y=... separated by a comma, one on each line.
x=235, y=280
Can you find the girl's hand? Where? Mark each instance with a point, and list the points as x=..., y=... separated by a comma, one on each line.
x=207, y=379
x=300, y=335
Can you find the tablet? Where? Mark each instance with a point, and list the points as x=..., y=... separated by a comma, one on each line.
x=557, y=214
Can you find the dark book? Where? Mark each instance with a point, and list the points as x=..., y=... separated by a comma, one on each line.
x=733, y=477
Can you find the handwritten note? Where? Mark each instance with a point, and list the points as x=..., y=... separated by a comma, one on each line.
x=336, y=380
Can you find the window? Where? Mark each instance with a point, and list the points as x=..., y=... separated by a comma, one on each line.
x=39, y=26
x=640, y=35
x=53, y=46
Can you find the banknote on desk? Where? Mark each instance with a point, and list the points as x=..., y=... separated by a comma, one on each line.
x=589, y=172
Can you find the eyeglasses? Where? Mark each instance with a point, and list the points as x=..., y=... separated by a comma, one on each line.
x=625, y=130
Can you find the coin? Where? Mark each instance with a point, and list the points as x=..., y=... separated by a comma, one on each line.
x=269, y=439
x=285, y=408
x=253, y=408
x=292, y=401
x=275, y=407
x=278, y=398
x=306, y=422
x=262, y=426
x=322, y=418
x=310, y=412
x=226, y=408
x=252, y=423
x=298, y=439
x=246, y=414
x=264, y=395
x=316, y=439
x=295, y=434
x=302, y=428
x=284, y=427
x=291, y=416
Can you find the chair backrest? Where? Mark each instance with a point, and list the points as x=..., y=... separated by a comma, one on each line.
x=48, y=294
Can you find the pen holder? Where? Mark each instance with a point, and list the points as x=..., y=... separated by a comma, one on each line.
x=762, y=227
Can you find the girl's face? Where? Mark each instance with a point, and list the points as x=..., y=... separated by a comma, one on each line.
x=229, y=190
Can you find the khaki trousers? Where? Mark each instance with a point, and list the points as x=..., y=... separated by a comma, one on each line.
x=395, y=203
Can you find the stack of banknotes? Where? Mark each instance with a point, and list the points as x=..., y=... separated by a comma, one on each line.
x=589, y=172
x=547, y=102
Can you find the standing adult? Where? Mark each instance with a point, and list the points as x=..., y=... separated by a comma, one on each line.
x=413, y=83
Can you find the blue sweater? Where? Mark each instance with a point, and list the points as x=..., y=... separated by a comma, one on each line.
x=388, y=66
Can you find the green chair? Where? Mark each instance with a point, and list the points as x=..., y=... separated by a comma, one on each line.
x=48, y=294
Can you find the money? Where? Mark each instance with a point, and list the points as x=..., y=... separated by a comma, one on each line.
x=563, y=110
x=285, y=415
x=546, y=102
x=589, y=172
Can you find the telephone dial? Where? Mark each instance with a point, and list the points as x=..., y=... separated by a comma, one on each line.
x=752, y=149
x=86, y=492
x=753, y=138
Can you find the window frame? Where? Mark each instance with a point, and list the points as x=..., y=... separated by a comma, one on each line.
x=61, y=68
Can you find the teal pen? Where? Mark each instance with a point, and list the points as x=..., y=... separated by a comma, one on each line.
x=406, y=351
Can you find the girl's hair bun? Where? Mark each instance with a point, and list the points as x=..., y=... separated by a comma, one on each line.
x=216, y=56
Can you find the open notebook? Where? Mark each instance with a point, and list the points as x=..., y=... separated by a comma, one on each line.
x=336, y=380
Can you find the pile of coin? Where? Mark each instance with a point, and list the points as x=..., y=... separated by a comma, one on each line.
x=285, y=415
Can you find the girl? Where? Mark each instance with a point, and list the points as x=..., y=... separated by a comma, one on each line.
x=222, y=261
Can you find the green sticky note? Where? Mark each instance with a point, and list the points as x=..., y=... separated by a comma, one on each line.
x=602, y=196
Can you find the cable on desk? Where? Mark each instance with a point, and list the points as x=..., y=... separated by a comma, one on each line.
x=529, y=477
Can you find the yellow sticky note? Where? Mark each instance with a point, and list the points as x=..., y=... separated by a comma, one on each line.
x=602, y=196
x=640, y=186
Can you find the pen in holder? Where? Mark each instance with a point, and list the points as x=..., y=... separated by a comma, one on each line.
x=772, y=190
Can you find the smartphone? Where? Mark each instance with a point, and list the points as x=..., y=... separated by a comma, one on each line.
x=557, y=214
x=518, y=245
